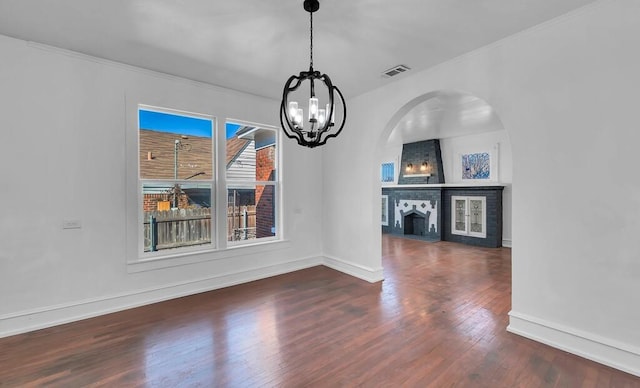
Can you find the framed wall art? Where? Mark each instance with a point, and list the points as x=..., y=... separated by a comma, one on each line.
x=480, y=165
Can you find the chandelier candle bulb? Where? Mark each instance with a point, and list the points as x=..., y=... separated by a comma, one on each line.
x=321, y=116
x=293, y=109
x=313, y=109
x=333, y=114
x=298, y=117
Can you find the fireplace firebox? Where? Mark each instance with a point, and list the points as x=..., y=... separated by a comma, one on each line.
x=415, y=224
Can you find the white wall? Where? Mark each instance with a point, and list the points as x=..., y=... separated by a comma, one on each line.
x=63, y=130
x=566, y=92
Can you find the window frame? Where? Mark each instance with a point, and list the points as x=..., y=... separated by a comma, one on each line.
x=384, y=210
x=150, y=255
x=396, y=163
x=382, y=175
x=276, y=183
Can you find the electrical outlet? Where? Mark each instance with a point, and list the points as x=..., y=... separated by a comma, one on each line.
x=71, y=224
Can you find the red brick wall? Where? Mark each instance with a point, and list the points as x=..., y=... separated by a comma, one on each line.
x=150, y=201
x=265, y=161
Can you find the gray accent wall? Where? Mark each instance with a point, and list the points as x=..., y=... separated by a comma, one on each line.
x=416, y=154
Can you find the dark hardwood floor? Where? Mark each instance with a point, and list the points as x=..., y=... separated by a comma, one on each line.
x=438, y=320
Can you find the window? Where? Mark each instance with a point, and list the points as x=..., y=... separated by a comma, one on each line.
x=187, y=204
x=252, y=182
x=387, y=172
x=176, y=179
x=385, y=210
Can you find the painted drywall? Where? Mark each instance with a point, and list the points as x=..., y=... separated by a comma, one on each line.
x=566, y=93
x=66, y=122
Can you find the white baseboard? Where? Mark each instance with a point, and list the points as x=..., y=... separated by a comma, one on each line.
x=30, y=320
x=369, y=274
x=506, y=243
x=590, y=346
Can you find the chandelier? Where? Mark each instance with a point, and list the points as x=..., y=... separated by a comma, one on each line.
x=321, y=118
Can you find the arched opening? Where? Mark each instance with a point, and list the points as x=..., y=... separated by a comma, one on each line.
x=464, y=125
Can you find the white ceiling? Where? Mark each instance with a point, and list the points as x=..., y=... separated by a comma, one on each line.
x=445, y=114
x=255, y=45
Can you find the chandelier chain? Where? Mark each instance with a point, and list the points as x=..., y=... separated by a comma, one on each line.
x=311, y=40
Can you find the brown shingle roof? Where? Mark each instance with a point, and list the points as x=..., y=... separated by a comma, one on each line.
x=235, y=146
x=161, y=146
x=198, y=159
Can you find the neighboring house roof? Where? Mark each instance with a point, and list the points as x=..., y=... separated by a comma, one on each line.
x=262, y=137
x=193, y=158
x=235, y=147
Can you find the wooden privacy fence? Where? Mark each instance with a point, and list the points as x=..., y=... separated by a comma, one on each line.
x=176, y=228
x=241, y=222
x=184, y=227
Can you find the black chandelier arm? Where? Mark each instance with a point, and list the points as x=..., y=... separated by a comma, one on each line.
x=304, y=75
x=327, y=81
x=288, y=89
x=283, y=107
x=290, y=127
x=344, y=118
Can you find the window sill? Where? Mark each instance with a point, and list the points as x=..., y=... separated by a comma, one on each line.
x=194, y=257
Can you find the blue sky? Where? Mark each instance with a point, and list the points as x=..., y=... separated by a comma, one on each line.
x=182, y=125
x=232, y=129
x=172, y=123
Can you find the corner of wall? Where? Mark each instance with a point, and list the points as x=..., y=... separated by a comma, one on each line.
x=371, y=275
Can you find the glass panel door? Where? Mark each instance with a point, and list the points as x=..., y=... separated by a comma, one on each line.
x=459, y=215
x=476, y=216
x=469, y=216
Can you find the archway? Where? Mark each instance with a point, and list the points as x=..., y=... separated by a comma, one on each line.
x=464, y=124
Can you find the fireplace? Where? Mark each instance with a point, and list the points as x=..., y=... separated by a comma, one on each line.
x=435, y=213
x=415, y=224
x=422, y=206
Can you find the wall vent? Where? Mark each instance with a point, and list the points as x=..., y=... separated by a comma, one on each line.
x=395, y=71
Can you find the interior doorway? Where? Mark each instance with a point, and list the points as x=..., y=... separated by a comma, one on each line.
x=464, y=124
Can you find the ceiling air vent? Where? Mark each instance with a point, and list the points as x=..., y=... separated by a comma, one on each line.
x=395, y=70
